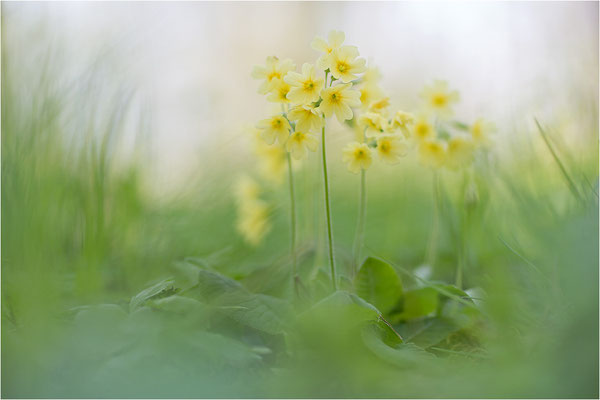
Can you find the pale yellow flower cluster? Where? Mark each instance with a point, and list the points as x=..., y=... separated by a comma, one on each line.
x=306, y=97
x=253, y=213
x=381, y=133
x=445, y=143
x=271, y=159
x=440, y=141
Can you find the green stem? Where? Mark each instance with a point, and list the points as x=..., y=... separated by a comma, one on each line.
x=362, y=217
x=433, y=238
x=292, y=224
x=460, y=267
x=570, y=182
x=328, y=213
x=360, y=227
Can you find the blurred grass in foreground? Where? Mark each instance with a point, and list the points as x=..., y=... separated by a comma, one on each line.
x=81, y=236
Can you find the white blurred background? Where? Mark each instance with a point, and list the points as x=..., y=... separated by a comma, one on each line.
x=190, y=62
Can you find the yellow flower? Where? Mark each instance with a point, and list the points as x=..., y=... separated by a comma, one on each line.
x=272, y=161
x=369, y=93
x=375, y=124
x=380, y=106
x=336, y=38
x=299, y=142
x=422, y=128
x=371, y=76
x=279, y=91
x=273, y=69
x=305, y=87
x=357, y=155
x=481, y=130
x=460, y=152
x=246, y=189
x=253, y=213
x=307, y=118
x=344, y=64
x=253, y=221
x=338, y=100
x=276, y=127
x=432, y=153
x=391, y=147
x=439, y=99
x=404, y=121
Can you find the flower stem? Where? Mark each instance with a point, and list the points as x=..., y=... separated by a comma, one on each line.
x=362, y=217
x=360, y=226
x=433, y=238
x=292, y=224
x=465, y=213
x=328, y=213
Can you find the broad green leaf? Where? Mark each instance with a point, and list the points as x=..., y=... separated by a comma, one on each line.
x=160, y=290
x=428, y=332
x=261, y=312
x=99, y=314
x=450, y=290
x=378, y=283
x=212, y=285
x=219, y=349
x=399, y=354
x=178, y=305
x=342, y=303
x=418, y=303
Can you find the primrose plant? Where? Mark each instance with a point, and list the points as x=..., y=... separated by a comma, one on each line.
x=339, y=84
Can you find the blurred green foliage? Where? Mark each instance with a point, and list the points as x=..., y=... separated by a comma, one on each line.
x=109, y=292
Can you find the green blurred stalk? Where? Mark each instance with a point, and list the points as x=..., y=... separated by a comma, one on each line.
x=292, y=224
x=435, y=229
x=362, y=217
x=328, y=212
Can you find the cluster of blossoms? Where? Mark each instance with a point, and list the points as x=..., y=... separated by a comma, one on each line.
x=339, y=84
x=306, y=97
x=443, y=142
x=253, y=222
x=377, y=129
x=271, y=159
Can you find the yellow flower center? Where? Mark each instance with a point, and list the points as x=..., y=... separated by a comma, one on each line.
x=276, y=123
x=476, y=130
x=283, y=93
x=342, y=66
x=364, y=96
x=385, y=147
x=273, y=75
x=439, y=100
x=360, y=154
x=422, y=130
x=309, y=85
x=334, y=98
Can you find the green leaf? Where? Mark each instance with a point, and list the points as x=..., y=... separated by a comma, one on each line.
x=160, y=290
x=261, y=312
x=399, y=354
x=178, y=305
x=212, y=285
x=428, y=332
x=217, y=349
x=101, y=314
x=378, y=283
x=342, y=303
x=418, y=303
